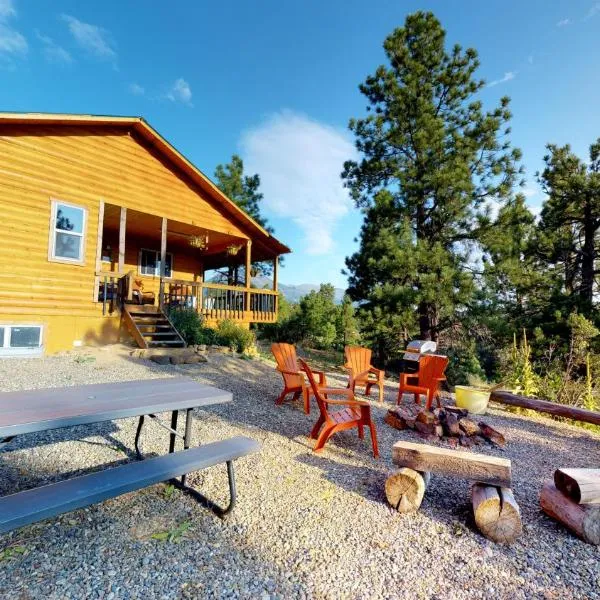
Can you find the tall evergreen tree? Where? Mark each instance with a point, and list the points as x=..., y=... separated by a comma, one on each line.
x=570, y=222
x=432, y=157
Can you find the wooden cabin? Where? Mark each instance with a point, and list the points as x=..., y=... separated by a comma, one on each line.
x=104, y=221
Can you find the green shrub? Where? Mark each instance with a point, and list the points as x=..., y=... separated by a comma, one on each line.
x=189, y=324
x=231, y=334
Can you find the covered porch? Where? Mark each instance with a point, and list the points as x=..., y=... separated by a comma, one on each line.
x=149, y=259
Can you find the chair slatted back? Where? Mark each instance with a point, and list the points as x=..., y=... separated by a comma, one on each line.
x=315, y=388
x=285, y=356
x=357, y=358
x=431, y=367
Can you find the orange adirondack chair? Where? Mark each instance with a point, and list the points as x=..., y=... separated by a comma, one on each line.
x=358, y=363
x=293, y=378
x=356, y=414
x=427, y=381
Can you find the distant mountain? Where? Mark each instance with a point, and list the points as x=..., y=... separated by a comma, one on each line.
x=294, y=293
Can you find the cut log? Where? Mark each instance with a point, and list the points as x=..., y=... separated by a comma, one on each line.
x=425, y=428
x=469, y=427
x=392, y=419
x=491, y=434
x=460, y=413
x=581, y=485
x=405, y=489
x=559, y=410
x=465, y=441
x=581, y=519
x=457, y=463
x=450, y=424
x=496, y=512
x=426, y=417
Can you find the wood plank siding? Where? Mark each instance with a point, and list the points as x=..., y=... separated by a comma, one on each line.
x=85, y=165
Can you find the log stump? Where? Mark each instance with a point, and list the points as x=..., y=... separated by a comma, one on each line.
x=405, y=489
x=581, y=519
x=496, y=512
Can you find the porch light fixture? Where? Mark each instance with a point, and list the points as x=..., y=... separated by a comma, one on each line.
x=198, y=241
x=233, y=249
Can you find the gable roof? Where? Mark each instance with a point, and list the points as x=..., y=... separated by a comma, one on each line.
x=159, y=143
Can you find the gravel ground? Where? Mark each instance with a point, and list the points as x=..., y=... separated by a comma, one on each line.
x=306, y=526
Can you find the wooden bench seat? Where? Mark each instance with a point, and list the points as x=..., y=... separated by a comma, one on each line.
x=29, y=506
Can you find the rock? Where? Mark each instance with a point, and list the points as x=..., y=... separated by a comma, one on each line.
x=469, y=427
x=160, y=360
x=220, y=349
x=179, y=360
x=200, y=348
x=198, y=358
x=426, y=417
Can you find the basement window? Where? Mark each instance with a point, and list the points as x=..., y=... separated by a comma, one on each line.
x=20, y=340
x=67, y=232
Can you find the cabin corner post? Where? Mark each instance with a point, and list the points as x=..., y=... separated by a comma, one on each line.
x=276, y=285
x=248, y=273
x=163, y=259
x=122, y=229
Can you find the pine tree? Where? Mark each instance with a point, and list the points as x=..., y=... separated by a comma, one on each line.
x=570, y=222
x=432, y=158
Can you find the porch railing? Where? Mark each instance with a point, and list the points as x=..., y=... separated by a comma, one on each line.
x=216, y=301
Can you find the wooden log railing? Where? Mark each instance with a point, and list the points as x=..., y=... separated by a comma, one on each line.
x=110, y=291
x=551, y=408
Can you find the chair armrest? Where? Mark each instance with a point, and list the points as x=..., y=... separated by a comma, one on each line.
x=378, y=372
x=285, y=372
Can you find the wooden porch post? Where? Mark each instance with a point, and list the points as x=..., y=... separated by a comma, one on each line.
x=122, y=228
x=275, y=272
x=99, y=249
x=248, y=275
x=163, y=260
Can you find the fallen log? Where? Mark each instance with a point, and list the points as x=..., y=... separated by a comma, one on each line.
x=581, y=519
x=558, y=410
x=405, y=489
x=492, y=435
x=392, y=419
x=496, y=512
x=581, y=485
x=468, y=465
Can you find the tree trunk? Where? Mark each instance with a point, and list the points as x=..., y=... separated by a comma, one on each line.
x=428, y=322
x=588, y=258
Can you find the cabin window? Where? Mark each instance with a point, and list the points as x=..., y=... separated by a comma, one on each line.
x=67, y=232
x=150, y=263
x=16, y=340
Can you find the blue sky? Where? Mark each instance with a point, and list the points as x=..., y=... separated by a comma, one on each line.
x=277, y=81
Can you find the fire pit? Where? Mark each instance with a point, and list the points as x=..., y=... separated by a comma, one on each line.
x=450, y=423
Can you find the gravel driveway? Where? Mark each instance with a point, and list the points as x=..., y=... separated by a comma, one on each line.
x=306, y=526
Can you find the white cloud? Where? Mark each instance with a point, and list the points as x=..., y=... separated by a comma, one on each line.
x=530, y=59
x=93, y=39
x=299, y=161
x=508, y=76
x=564, y=22
x=12, y=43
x=180, y=92
x=594, y=10
x=52, y=51
x=7, y=9
x=136, y=89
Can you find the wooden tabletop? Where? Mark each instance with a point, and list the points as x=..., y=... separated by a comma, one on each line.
x=40, y=410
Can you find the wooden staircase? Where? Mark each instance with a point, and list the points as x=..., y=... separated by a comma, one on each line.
x=150, y=327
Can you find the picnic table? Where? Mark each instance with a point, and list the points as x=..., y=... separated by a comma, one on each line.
x=34, y=411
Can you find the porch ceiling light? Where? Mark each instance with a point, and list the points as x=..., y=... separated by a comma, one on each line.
x=198, y=241
x=233, y=249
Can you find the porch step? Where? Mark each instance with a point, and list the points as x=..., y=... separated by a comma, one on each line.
x=150, y=327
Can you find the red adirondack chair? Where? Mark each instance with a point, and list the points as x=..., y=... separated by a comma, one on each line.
x=293, y=377
x=361, y=372
x=357, y=413
x=427, y=381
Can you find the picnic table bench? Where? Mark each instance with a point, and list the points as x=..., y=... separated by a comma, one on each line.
x=41, y=410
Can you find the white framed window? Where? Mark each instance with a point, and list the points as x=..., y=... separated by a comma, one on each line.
x=149, y=263
x=67, y=232
x=21, y=340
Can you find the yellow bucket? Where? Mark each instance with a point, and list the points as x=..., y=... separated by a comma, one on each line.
x=475, y=400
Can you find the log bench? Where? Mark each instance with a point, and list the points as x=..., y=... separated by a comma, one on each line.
x=496, y=512
x=29, y=506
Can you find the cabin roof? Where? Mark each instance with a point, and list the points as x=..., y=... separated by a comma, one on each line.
x=157, y=141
